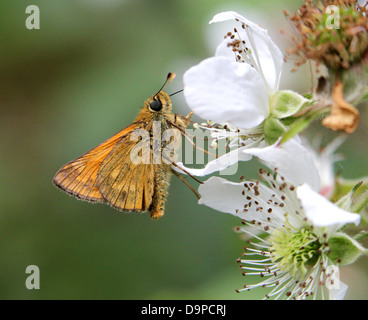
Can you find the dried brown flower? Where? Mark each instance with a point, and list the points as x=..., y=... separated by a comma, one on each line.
x=334, y=33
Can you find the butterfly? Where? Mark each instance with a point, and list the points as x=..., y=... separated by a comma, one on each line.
x=131, y=171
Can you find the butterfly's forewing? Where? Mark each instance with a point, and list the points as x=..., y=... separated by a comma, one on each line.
x=79, y=176
x=125, y=185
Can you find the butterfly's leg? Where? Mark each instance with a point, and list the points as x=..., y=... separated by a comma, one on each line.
x=181, y=121
x=189, y=186
x=185, y=171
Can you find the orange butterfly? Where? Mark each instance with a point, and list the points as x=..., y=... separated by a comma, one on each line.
x=115, y=173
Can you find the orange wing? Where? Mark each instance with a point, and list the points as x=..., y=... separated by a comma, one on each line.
x=79, y=176
x=125, y=185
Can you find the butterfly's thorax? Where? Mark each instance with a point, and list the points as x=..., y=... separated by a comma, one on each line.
x=162, y=126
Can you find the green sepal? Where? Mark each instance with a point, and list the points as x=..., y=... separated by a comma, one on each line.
x=273, y=128
x=343, y=187
x=361, y=202
x=346, y=202
x=344, y=249
x=361, y=235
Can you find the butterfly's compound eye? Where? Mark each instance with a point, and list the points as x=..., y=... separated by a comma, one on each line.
x=156, y=105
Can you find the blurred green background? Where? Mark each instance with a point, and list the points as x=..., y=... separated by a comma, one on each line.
x=75, y=82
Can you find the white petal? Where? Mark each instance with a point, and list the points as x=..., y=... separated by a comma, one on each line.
x=323, y=213
x=222, y=90
x=268, y=55
x=293, y=161
x=325, y=164
x=221, y=195
x=226, y=15
x=338, y=294
x=219, y=164
x=226, y=196
x=324, y=161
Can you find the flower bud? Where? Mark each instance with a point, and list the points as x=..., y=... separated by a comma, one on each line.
x=285, y=103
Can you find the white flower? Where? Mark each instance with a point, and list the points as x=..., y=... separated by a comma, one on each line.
x=238, y=88
x=293, y=260
x=235, y=86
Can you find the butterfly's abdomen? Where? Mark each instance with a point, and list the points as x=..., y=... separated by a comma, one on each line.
x=161, y=182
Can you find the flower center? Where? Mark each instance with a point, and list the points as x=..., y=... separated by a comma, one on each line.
x=294, y=251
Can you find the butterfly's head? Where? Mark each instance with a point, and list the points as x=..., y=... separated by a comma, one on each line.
x=160, y=102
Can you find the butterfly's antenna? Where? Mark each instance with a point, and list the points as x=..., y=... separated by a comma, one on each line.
x=169, y=78
x=176, y=92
